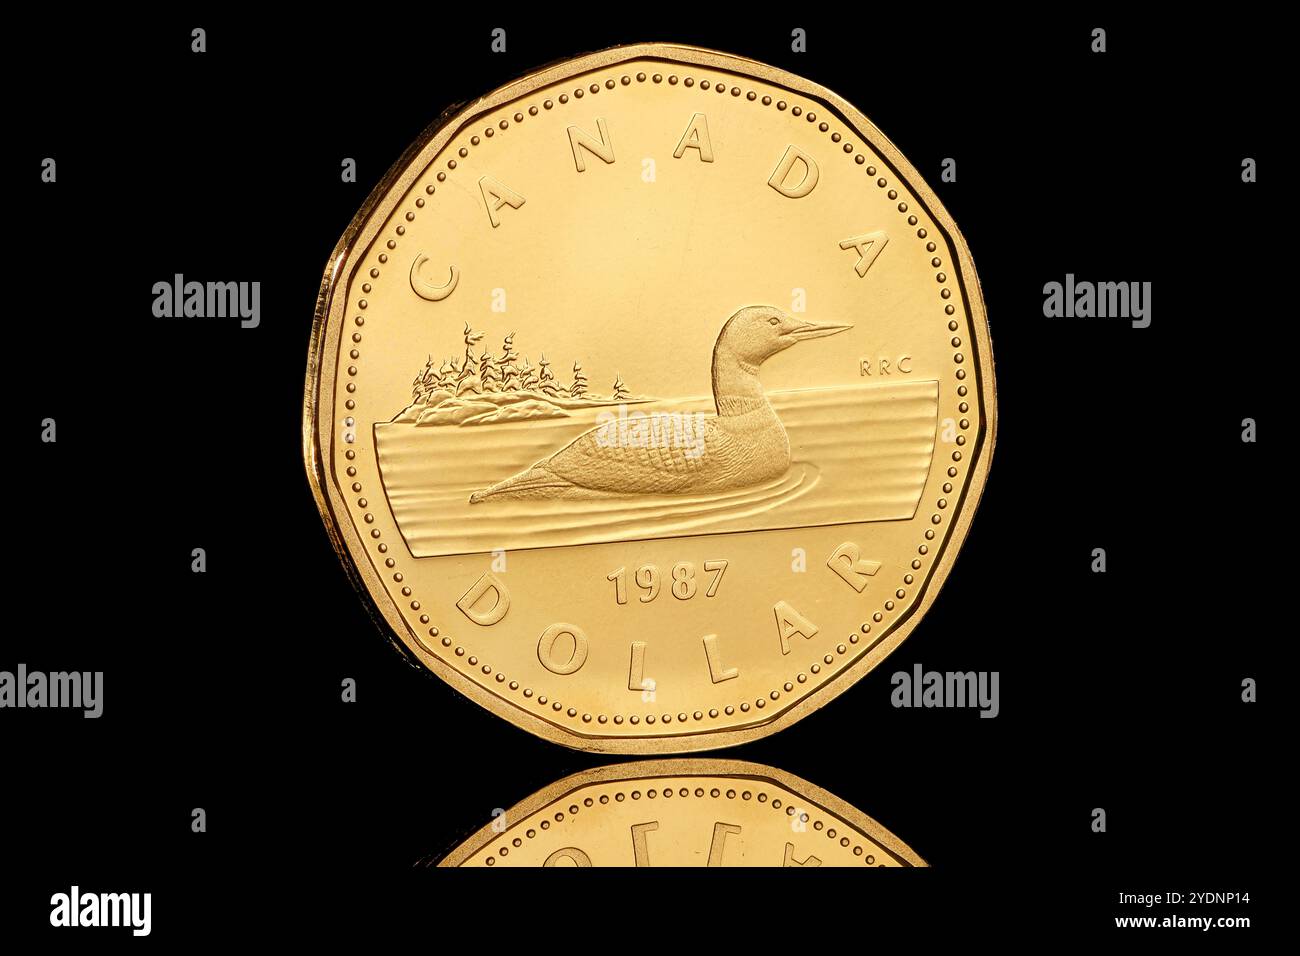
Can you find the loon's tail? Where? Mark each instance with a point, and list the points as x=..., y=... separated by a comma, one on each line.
x=538, y=481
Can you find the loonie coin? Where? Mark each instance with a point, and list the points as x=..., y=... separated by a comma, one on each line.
x=649, y=399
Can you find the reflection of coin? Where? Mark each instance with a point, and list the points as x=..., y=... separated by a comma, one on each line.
x=649, y=399
x=683, y=813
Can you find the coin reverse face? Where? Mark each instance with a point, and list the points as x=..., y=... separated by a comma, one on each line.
x=683, y=813
x=649, y=399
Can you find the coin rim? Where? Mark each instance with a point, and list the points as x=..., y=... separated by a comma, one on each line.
x=322, y=354
x=688, y=767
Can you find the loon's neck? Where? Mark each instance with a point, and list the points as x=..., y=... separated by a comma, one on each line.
x=736, y=388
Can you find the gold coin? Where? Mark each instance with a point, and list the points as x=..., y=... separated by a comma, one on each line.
x=649, y=399
x=686, y=812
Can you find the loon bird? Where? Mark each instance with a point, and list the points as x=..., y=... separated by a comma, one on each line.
x=743, y=444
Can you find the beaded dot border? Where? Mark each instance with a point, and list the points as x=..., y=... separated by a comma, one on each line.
x=964, y=425
x=825, y=826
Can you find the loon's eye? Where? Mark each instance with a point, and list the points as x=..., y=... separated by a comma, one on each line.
x=773, y=321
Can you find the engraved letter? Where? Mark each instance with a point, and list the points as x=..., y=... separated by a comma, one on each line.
x=848, y=563
x=696, y=137
x=580, y=139
x=782, y=171
x=720, y=831
x=546, y=649
x=636, y=669
x=501, y=603
x=427, y=290
x=716, y=670
x=790, y=860
x=639, y=851
x=497, y=194
x=790, y=622
x=868, y=246
x=571, y=853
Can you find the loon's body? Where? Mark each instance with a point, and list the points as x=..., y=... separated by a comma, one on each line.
x=744, y=444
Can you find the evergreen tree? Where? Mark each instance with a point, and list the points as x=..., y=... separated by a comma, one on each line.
x=467, y=379
x=579, y=387
x=509, y=372
x=546, y=379
x=528, y=376
x=488, y=373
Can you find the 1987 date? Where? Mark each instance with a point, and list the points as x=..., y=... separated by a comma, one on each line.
x=682, y=583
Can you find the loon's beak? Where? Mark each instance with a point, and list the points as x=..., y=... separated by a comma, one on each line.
x=812, y=330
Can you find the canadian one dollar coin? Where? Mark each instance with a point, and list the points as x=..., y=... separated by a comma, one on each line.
x=649, y=399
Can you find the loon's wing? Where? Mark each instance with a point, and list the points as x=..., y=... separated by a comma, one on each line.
x=641, y=460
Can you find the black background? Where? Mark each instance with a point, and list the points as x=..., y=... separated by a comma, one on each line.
x=222, y=690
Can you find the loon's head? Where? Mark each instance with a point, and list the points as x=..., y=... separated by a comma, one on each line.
x=757, y=332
